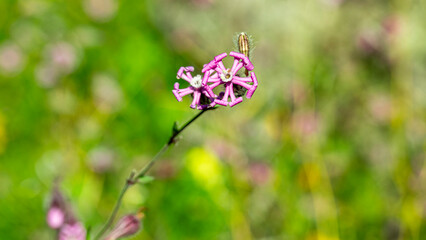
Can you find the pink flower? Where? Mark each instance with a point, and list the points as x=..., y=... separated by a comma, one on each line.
x=196, y=88
x=260, y=173
x=55, y=217
x=218, y=74
x=72, y=231
x=126, y=226
x=57, y=212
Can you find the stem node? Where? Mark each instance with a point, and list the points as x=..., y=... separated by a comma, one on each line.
x=135, y=176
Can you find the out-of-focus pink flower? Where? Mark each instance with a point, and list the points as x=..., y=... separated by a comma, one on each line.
x=260, y=173
x=392, y=25
x=60, y=59
x=380, y=108
x=101, y=159
x=305, y=124
x=218, y=74
x=55, y=217
x=100, y=10
x=126, y=226
x=63, y=56
x=11, y=59
x=225, y=150
x=59, y=216
x=196, y=88
x=46, y=75
x=72, y=231
x=107, y=93
x=368, y=41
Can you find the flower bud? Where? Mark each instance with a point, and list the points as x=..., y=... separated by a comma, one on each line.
x=126, y=226
x=244, y=44
x=72, y=231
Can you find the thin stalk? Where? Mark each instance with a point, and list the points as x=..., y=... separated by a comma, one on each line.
x=133, y=178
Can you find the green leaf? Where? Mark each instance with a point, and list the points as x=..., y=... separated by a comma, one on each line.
x=146, y=179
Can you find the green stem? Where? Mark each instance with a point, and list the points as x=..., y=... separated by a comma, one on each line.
x=133, y=178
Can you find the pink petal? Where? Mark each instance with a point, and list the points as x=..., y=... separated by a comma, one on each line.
x=186, y=91
x=220, y=57
x=209, y=92
x=253, y=77
x=196, y=100
x=179, y=93
x=189, y=75
x=221, y=102
x=180, y=72
x=237, y=55
x=233, y=100
x=211, y=65
x=231, y=92
x=176, y=86
x=251, y=91
x=242, y=84
x=221, y=66
x=206, y=78
x=236, y=68
x=186, y=78
x=248, y=65
x=228, y=90
x=242, y=79
x=178, y=97
x=182, y=69
x=238, y=100
x=224, y=100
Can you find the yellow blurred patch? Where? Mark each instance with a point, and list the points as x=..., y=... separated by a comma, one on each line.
x=273, y=124
x=135, y=196
x=309, y=177
x=205, y=167
x=3, y=136
x=411, y=214
x=321, y=236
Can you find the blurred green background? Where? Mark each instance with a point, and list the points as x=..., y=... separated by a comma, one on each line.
x=331, y=146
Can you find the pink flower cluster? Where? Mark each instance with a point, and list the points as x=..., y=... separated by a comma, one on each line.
x=216, y=74
x=60, y=217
